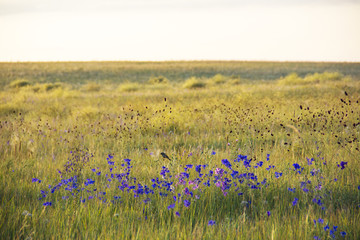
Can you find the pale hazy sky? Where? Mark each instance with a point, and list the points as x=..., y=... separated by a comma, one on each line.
x=82, y=30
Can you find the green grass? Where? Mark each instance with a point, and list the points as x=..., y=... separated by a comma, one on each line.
x=290, y=122
x=175, y=71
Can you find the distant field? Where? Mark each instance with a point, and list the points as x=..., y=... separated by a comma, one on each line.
x=117, y=72
x=255, y=150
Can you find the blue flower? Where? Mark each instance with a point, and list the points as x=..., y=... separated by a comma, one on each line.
x=187, y=203
x=213, y=153
x=177, y=214
x=292, y=189
x=326, y=227
x=234, y=173
x=297, y=168
x=47, y=204
x=164, y=171
x=171, y=206
x=226, y=163
x=314, y=172
x=268, y=213
x=295, y=201
x=278, y=174
x=321, y=221
x=247, y=163
x=343, y=234
x=342, y=165
x=211, y=223
x=270, y=167
x=36, y=180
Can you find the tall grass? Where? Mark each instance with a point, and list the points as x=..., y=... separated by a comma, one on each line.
x=44, y=132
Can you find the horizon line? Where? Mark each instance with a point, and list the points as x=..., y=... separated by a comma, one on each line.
x=179, y=60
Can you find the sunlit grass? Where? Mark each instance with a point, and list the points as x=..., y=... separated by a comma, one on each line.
x=292, y=123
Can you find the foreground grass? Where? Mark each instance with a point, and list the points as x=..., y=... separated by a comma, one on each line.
x=289, y=122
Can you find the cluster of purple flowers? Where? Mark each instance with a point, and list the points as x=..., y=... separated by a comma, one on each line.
x=332, y=231
x=342, y=165
x=183, y=188
x=298, y=168
x=36, y=180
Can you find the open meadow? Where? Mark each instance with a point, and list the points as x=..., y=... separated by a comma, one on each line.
x=255, y=150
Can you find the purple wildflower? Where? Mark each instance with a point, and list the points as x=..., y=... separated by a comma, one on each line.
x=342, y=165
x=326, y=227
x=226, y=163
x=187, y=203
x=278, y=174
x=211, y=223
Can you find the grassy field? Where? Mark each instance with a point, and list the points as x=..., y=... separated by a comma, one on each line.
x=256, y=150
x=118, y=72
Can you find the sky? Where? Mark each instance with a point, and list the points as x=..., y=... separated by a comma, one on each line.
x=157, y=30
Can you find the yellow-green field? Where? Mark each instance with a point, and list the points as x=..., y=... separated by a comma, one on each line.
x=68, y=131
